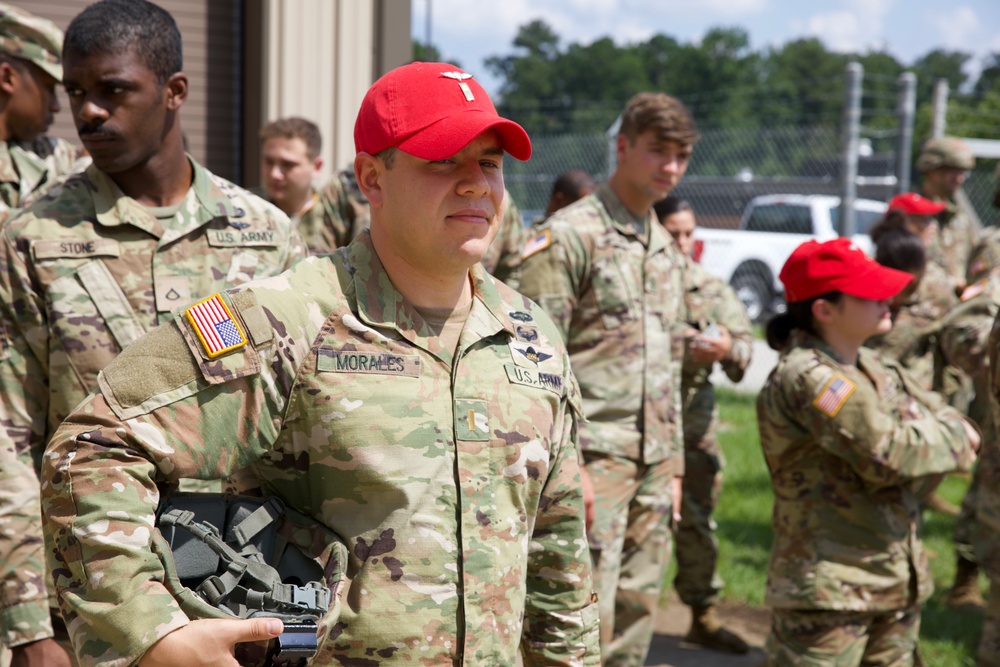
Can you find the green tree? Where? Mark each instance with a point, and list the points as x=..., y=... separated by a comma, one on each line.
x=939, y=64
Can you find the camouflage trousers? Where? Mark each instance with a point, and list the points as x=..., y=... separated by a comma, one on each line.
x=988, y=654
x=630, y=545
x=696, y=546
x=986, y=537
x=824, y=638
x=965, y=522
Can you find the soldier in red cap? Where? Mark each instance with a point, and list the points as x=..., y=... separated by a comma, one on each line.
x=392, y=391
x=851, y=442
x=929, y=296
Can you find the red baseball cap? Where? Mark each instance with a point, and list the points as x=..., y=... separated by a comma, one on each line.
x=431, y=111
x=816, y=268
x=911, y=203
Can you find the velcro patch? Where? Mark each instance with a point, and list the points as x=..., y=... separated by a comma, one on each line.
x=974, y=290
x=80, y=249
x=834, y=394
x=371, y=363
x=215, y=326
x=532, y=378
x=537, y=244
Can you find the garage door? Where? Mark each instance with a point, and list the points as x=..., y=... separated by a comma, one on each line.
x=212, y=33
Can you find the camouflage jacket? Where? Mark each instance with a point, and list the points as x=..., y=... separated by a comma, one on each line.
x=708, y=300
x=913, y=338
x=847, y=449
x=987, y=500
x=29, y=170
x=84, y=272
x=333, y=220
x=956, y=232
x=985, y=256
x=613, y=283
x=503, y=258
x=452, y=480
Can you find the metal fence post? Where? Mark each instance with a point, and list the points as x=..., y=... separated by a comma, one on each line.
x=940, y=120
x=907, y=112
x=849, y=133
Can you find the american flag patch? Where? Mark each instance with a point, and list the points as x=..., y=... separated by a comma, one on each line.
x=537, y=244
x=216, y=327
x=834, y=395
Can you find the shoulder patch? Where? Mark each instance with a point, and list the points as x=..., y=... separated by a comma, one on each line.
x=974, y=290
x=537, y=244
x=834, y=394
x=215, y=326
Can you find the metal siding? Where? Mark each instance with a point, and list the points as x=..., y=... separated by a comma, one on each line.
x=211, y=118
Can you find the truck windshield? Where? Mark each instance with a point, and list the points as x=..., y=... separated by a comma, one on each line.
x=863, y=220
x=780, y=219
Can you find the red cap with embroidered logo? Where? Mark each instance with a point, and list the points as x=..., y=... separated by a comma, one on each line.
x=911, y=203
x=431, y=111
x=816, y=268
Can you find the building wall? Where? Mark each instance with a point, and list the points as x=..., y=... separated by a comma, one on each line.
x=212, y=41
x=251, y=61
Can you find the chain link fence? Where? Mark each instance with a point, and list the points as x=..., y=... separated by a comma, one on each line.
x=730, y=167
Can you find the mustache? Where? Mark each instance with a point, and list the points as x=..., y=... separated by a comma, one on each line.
x=99, y=129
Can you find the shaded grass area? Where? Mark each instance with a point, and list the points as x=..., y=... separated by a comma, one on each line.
x=948, y=637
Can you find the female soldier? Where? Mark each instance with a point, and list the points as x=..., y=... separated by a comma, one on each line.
x=930, y=297
x=718, y=331
x=850, y=439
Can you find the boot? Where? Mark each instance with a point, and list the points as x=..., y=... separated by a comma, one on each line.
x=707, y=631
x=964, y=594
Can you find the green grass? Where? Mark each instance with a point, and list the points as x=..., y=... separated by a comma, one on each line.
x=948, y=638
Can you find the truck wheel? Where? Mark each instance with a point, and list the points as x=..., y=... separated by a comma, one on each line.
x=755, y=294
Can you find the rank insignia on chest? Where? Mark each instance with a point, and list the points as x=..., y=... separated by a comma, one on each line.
x=834, y=394
x=215, y=326
x=530, y=352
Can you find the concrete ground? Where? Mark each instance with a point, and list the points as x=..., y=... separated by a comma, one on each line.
x=670, y=650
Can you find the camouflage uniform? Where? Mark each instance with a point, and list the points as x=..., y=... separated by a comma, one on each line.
x=985, y=256
x=707, y=300
x=333, y=220
x=613, y=284
x=849, y=449
x=913, y=338
x=452, y=479
x=29, y=170
x=986, y=529
x=956, y=233
x=85, y=271
x=957, y=228
x=503, y=258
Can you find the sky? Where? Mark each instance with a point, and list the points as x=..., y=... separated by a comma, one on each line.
x=472, y=31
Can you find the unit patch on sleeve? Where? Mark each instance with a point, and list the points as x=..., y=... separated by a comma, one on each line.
x=834, y=394
x=215, y=326
x=537, y=244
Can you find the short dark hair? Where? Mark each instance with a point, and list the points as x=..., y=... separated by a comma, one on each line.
x=670, y=205
x=658, y=112
x=901, y=249
x=570, y=184
x=120, y=26
x=294, y=127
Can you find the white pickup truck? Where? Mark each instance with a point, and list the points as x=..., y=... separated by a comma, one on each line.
x=750, y=257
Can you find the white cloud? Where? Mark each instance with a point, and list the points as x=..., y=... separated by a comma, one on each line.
x=956, y=28
x=855, y=28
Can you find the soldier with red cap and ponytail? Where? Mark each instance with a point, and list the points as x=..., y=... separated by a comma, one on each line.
x=851, y=442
